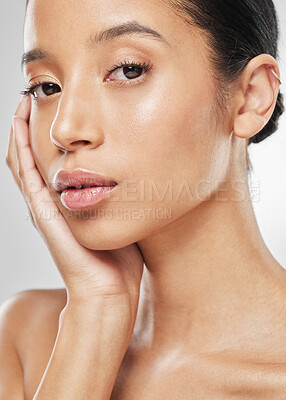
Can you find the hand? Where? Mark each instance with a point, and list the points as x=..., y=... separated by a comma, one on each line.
x=89, y=275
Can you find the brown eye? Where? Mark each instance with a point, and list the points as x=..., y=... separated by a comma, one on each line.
x=45, y=89
x=128, y=72
x=132, y=72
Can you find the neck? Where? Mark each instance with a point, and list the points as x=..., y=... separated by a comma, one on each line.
x=204, y=274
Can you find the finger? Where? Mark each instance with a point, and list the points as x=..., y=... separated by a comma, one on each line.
x=31, y=181
x=24, y=108
x=32, y=219
x=23, y=111
x=11, y=159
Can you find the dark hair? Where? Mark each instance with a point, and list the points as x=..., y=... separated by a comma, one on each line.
x=236, y=32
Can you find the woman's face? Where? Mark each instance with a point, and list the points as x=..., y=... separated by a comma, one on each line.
x=153, y=130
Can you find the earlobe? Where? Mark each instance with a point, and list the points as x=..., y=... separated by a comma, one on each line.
x=257, y=96
x=249, y=124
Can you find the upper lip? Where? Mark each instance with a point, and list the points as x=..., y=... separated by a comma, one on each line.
x=79, y=177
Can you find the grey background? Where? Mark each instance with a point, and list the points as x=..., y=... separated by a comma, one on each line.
x=25, y=261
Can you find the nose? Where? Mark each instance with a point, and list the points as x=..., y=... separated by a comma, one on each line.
x=75, y=125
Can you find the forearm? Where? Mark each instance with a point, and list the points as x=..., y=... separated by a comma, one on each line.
x=87, y=354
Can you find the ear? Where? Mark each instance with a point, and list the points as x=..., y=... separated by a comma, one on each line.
x=256, y=96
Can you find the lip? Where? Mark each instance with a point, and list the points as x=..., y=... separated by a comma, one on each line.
x=71, y=179
x=67, y=184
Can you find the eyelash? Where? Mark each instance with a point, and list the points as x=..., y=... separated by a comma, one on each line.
x=126, y=63
x=147, y=66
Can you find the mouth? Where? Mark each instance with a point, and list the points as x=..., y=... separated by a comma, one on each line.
x=82, y=186
x=80, y=189
x=80, y=179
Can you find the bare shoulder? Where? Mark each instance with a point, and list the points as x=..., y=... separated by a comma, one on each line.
x=31, y=317
x=30, y=310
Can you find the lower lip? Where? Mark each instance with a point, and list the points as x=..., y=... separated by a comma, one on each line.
x=78, y=199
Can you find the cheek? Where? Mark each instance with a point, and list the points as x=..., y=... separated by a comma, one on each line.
x=167, y=132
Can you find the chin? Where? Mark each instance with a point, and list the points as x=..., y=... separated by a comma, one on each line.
x=107, y=232
x=102, y=244
x=103, y=236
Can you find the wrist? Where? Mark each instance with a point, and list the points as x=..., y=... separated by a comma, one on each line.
x=100, y=326
x=114, y=311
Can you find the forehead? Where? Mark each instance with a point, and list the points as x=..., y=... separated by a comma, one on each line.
x=72, y=21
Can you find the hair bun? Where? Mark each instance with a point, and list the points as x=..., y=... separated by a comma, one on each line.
x=272, y=125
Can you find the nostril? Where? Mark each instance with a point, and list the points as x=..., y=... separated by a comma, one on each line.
x=66, y=144
x=79, y=143
x=82, y=142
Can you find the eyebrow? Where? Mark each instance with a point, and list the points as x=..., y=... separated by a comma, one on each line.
x=131, y=27
x=35, y=55
x=128, y=28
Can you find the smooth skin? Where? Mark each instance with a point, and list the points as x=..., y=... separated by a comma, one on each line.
x=205, y=316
